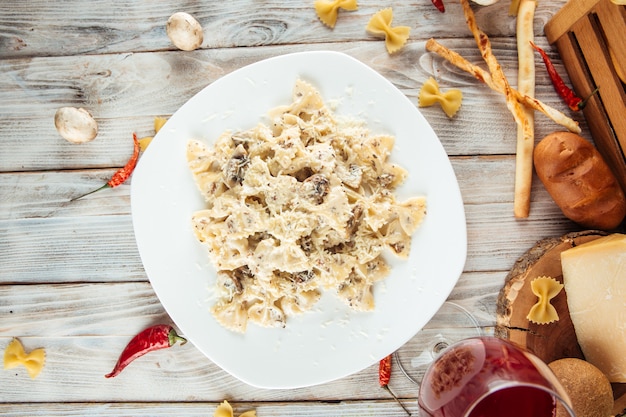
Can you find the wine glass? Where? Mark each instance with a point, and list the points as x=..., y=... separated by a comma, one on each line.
x=451, y=323
x=486, y=376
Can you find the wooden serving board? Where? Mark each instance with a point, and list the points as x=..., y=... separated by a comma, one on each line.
x=586, y=34
x=548, y=341
x=552, y=341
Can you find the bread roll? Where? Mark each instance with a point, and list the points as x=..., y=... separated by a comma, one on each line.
x=588, y=388
x=580, y=181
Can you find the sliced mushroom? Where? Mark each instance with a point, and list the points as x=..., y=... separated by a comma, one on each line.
x=355, y=220
x=315, y=188
x=303, y=276
x=235, y=168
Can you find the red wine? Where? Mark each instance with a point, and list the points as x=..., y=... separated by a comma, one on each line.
x=515, y=402
x=487, y=377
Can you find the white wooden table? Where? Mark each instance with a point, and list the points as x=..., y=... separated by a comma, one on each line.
x=71, y=280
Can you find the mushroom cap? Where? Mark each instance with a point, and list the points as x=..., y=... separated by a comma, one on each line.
x=75, y=125
x=184, y=31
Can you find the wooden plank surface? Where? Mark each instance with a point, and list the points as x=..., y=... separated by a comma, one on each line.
x=71, y=279
x=125, y=92
x=41, y=28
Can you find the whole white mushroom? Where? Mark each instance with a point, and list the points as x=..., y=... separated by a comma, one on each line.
x=75, y=125
x=485, y=2
x=184, y=31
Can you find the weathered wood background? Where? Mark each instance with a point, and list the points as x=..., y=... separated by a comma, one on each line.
x=71, y=279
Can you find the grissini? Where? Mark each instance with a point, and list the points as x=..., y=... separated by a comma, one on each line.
x=579, y=181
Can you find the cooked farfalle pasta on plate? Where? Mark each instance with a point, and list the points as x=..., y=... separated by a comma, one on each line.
x=298, y=207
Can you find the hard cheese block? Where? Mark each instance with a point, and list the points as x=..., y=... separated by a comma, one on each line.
x=594, y=276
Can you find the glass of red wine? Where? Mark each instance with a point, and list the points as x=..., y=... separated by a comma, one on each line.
x=486, y=376
x=449, y=325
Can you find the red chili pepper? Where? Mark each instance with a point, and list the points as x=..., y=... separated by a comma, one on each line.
x=384, y=375
x=384, y=371
x=122, y=174
x=571, y=99
x=439, y=5
x=153, y=338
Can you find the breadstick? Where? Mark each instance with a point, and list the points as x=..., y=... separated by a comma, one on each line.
x=454, y=58
x=525, y=85
x=497, y=74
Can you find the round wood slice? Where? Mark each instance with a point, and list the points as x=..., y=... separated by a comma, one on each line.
x=548, y=341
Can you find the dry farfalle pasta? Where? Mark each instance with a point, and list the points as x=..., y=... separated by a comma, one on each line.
x=395, y=37
x=545, y=288
x=14, y=356
x=450, y=101
x=303, y=205
x=226, y=410
x=327, y=10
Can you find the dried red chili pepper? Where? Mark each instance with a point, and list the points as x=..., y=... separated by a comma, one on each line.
x=384, y=375
x=122, y=174
x=439, y=5
x=571, y=99
x=153, y=338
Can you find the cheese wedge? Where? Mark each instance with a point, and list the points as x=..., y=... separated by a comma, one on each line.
x=594, y=277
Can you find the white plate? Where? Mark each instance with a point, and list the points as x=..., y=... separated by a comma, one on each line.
x=331, y=341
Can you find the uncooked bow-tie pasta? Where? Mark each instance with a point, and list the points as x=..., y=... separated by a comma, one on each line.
x=296, y=208
x=14, y=356
x=395, y=37
x=327, y=10
x=545, y=288
x=450, y=101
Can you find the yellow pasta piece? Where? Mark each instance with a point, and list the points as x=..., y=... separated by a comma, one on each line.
x=225, y=410
x=327, y=10
x=145, y=141
x=14, y=356
x=430, y=94
x=158, y=123
x=546, y=288
x=395, y=37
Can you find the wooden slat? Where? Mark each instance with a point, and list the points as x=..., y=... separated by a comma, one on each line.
x=70, y=249
x=601, y=68
x=39, y=28
x=372, y=408
x=570, y=13
x=613, y=22
x=598, y=123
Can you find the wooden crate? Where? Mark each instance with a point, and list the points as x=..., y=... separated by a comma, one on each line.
x=586, y=33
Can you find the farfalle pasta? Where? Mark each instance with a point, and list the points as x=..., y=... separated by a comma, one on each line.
x=15, y=356
x=298, y=207
x=430, y=94
x=226, y=410
x=395, y=37
x=545, y=288
x=327, y=10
